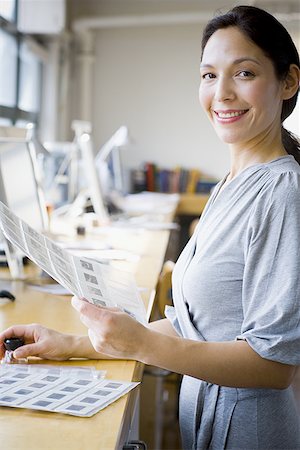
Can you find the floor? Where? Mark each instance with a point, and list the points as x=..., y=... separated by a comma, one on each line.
x=159, y=410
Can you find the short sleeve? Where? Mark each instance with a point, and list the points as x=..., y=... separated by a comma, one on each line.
x=171, y=315
x=271, y=282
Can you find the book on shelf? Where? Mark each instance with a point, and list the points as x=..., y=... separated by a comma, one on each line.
x=150, y=171
x=193, y=179
x=178, y=180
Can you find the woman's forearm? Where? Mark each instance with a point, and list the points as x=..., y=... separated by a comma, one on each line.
x=81, y=347
x=233, y=364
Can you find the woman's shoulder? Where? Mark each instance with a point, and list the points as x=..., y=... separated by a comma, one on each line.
x=283, y=178
x=277, y=200
x=283, y=165
x=279, y=192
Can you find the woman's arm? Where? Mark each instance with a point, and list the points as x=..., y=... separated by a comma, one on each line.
x=233, y=364
x=49, y=344
x=46, y=343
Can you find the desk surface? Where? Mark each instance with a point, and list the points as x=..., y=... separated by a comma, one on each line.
x=192, y=204
x=22, y=429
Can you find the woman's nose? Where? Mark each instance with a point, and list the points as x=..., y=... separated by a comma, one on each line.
x=224, y=89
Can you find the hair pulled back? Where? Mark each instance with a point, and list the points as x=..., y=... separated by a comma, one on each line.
x=274, y=40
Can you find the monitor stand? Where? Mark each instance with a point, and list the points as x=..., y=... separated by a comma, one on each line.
x=14, y=260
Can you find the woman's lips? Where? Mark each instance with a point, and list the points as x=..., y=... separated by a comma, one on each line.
x=229, y=115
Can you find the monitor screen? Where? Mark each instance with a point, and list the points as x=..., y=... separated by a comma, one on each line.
x=20, y=191
x=92, y=179
x=109, y=162
x=19, y=188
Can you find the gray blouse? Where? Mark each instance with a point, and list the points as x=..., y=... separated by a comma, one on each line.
x=238, y=277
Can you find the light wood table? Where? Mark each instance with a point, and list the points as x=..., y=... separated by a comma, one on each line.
x=24, y=429
x=191, y=204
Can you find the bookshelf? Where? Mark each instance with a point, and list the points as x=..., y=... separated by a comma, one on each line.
x=151, y=177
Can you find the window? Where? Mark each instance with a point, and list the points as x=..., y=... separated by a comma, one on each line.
x=20, y=71
x=8, y=69
x=8, y=9
x=29, y=82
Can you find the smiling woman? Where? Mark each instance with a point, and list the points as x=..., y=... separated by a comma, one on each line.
x=249, y=78
x=234, y=329
x=243, y=97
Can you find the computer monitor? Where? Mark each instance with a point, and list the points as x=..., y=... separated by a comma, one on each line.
x=95, y=185
x=20, y=189
x=109, y=161
x=94, y=188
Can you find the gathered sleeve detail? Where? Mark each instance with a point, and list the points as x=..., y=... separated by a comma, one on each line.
x=271, y=282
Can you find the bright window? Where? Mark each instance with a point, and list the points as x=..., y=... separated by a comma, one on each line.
x=7, y=9
x=8, y=69
x=20, y=69
x=30, y=80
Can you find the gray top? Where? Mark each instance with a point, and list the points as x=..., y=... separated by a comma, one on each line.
x=238, y=277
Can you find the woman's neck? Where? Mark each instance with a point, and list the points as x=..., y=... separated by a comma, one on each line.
x=263, y=151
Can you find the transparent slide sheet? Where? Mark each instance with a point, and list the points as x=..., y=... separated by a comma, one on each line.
x=69, y=390
x=100, y=284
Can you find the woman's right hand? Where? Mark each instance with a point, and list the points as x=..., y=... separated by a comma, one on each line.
x=39, y=341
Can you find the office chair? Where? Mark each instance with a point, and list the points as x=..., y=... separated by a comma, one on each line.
x=164, y=288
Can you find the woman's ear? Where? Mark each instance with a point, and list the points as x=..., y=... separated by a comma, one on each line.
x=291, y=82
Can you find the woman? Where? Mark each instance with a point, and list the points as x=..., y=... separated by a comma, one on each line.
x=234, y=331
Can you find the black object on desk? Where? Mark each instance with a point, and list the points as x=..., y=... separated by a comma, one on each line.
x=12, y=344
x=7, y=294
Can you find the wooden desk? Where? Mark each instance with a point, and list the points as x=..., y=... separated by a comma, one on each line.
x=22, y=429
x=191, y=204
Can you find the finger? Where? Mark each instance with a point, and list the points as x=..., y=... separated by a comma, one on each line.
x=78, y=302
x=86, y=308
x=23, y=331
x=35, y=349
x=93, y=338
x=84, y=305
x=93, y=322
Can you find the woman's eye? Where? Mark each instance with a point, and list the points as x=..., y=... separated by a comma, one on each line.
x=245, y=74
x=208, y=76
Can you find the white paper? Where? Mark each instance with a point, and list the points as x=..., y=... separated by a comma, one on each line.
x=148, y=202
x=76, y=391
x=98, y=283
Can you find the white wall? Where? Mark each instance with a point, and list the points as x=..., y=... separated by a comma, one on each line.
x=148, y=78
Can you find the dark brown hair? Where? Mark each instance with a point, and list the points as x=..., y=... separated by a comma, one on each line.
x=274, y=40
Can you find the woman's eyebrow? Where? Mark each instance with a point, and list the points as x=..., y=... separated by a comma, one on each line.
x=245, y=59
x=235, y=62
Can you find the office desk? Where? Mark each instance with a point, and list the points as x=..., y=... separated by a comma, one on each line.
x=22, y=429
x=191, y=204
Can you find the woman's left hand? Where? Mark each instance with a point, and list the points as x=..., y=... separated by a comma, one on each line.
x=112, y=331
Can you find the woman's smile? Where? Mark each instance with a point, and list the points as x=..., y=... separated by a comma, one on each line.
x=229, y=115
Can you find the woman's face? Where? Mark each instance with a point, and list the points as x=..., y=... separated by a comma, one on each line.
x=239, y=90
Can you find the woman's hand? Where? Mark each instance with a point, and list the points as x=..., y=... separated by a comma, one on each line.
x=112, y=331
x=39, y=341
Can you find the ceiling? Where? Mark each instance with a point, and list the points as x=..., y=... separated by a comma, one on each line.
x=78, y=9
